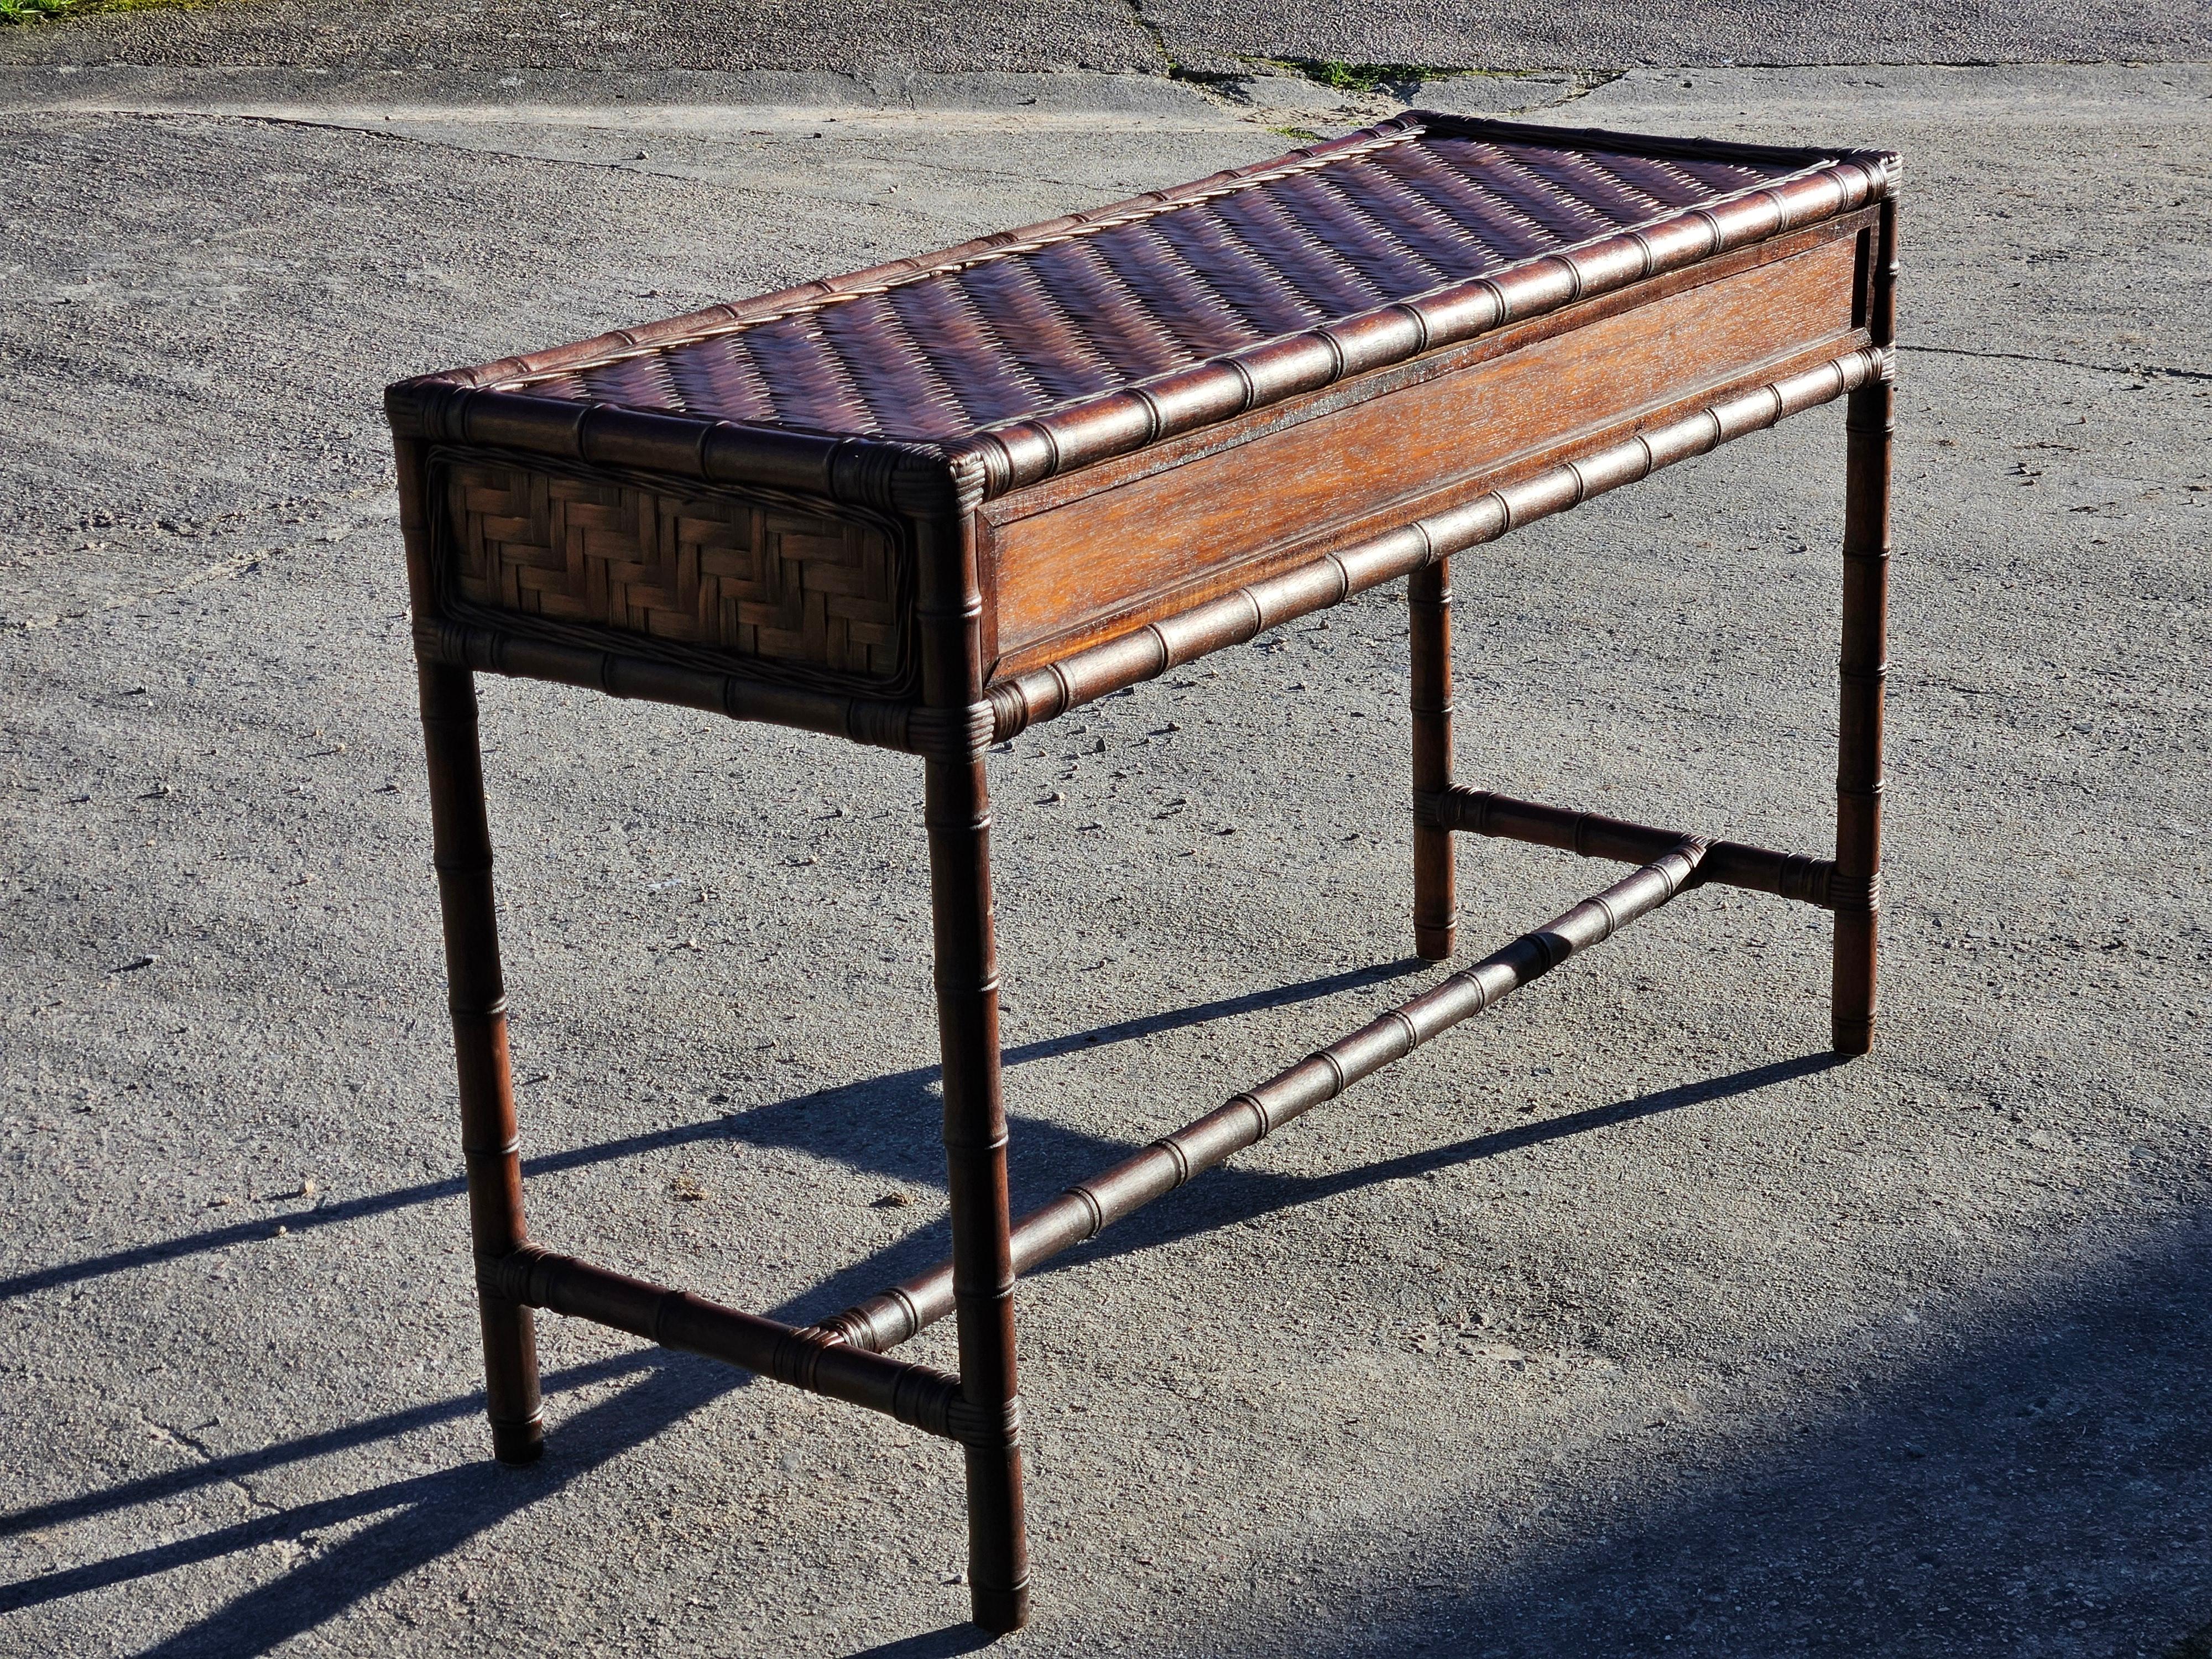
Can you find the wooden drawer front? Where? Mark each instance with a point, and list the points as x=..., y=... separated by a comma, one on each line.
x=701, y=573
x=1082, y=570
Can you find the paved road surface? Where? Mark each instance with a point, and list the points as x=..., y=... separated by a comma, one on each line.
x=1616, y=1322
x=1198, y=37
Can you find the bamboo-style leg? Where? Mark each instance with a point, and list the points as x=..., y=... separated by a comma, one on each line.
x=461, y=838
x=1436, y=907
x=958, y=810
x=1855, y=888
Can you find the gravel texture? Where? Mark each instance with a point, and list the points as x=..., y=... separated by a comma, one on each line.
x=1619, y=1321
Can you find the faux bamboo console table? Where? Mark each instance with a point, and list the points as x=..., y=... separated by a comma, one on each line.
x=929, y=505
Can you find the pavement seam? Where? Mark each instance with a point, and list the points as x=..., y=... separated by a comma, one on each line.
x=222, y=569
x=430, y=141
x=1153, y=32
x=2140, y=371
x=191, y=1442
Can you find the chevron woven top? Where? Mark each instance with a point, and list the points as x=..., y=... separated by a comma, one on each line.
x=1034, y=322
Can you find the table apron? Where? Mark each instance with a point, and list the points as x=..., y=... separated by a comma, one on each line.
x=1146, y=545
x=1334, y=574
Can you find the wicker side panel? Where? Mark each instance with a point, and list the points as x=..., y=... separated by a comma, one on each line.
x=706, y=576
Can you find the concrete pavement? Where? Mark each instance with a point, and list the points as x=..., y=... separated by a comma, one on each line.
x=1617, y=1321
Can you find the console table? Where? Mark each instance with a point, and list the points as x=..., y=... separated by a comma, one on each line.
x=931, y=504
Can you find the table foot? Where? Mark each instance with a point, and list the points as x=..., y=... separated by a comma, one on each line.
x=999, y=1610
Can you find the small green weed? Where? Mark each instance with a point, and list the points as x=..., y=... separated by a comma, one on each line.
x=1359, y=77
x=1303, y=135
x=33, y=11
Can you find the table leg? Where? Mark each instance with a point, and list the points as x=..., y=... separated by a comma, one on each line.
x=1856, y=887
x=1428, y=594
x=461, y=838
x=958, y=812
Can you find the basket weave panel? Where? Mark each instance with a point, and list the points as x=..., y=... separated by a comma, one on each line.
x=721, y=572
x=1021, y=332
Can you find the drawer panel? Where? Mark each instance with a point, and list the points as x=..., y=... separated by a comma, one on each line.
x=1064, y=572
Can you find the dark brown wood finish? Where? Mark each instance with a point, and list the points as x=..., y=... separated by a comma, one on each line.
x=927, y=505
x=1087, y=557
x=1554, y=485
x=883, y=1322
x=1855, y=888
x=1436, y=904
x=460, y=838
x=1595, y=836
x=810, y=1359
x=957, y=810
x=476, y=996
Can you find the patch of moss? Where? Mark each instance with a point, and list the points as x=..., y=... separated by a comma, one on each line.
x=46, y=11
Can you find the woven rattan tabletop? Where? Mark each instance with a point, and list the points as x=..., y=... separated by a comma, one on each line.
x=1035, y=322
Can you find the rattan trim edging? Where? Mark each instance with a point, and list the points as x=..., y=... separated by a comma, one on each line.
x=957, y=734
x=1029, y=451
x=618, y=343
x=1796, y=876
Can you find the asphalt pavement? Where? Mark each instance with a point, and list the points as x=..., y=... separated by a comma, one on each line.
x=1619, y=1320
x=1195, y=38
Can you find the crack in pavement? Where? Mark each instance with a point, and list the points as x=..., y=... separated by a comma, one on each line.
x=320, y=516
x=1153, y=32
x=221, y=570
x=2142, y=371
x=1583, y=82
x=189, y=1438
x=395, y=135
x=1360, y=108
x=1260, y=96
